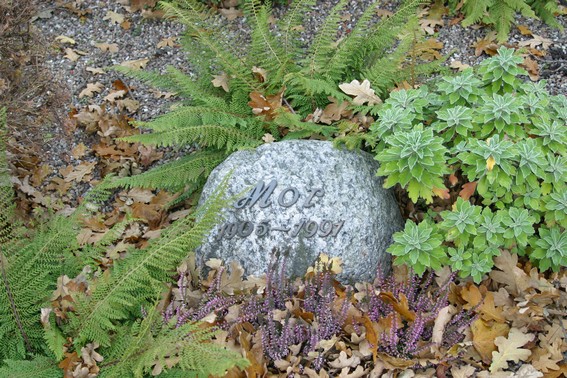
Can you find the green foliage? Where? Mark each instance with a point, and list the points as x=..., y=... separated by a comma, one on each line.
x=414, y=158
x=500, y=13
x=150, y=346
x=39, y=366
x=286, y=81
x=116, y=296
x=494, y=130
x=419, y=246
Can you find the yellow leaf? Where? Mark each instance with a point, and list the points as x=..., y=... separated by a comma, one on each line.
x=490, y=163
x=509, y=349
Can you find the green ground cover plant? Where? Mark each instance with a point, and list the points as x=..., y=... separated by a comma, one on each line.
x=503, y=136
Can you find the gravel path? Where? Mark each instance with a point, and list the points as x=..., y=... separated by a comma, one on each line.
x=134, y=36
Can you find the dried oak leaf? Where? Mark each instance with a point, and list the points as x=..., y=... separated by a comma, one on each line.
x=221, y=81
x=266, y=105
x=468, y=190
x=231, y=13
x=483, y=335
x=135, y=64
x=510, y=349
x=91, y=89
x=110, y=47
x=532, y=67
x=334, y=111
x=65, y=39
x=115, y=18
x=486, y=45
x=73, y=55
x=95, y=71
x=537, y=40
x=361, y=91
x=515, y=279
x=524, y=30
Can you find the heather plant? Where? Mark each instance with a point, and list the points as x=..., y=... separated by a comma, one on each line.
x=497, y=134
x=298, y=315
x=421, y=302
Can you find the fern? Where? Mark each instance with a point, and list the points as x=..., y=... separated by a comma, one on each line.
x=116, y=296
x=500, y=13
x=222, y=121
x=28, y=268
x=40, y=366
x=175, y=176
x=149, y=344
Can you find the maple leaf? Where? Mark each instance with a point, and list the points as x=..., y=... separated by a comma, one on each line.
x=221, y=81
x=110, y=47
x=91, y=89
x=361, y=91
x=510, y=349
x=115, y=18
x=537, y=40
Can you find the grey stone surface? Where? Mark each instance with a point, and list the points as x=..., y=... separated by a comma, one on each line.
x=316, y=185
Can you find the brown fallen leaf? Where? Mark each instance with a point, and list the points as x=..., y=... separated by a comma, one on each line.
x=221, y=81
x=334, y=111
x=484, y=334
x=510, y=349
x=125, y=25
x=268, y=138
x=532, y=67
x=524, y=30
x=73, y=55
x=457, y=64
x=361, y=91
x=95, y=71
x=231, y=14
x=169, y=41
x=135, y=64
x=115, y=18
x=537, y=40
x=107, y=47
x=468, y=190
x=486, y=45
x=91, y=89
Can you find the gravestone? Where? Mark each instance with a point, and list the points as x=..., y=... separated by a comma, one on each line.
x=303, y=198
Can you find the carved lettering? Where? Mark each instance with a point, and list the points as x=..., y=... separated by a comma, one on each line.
x=260, y=192
x=313, y=193
x=294, y=198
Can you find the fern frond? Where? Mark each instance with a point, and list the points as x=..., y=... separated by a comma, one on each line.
x=139, y=277
x=502, y=16
x=217, y=136
x=40, y=366
x=190, y=13
x=475, y=10
x=290, y=25
x=322, y=46
x=153, y=343
x=193, y=116
x=267, y=52
x=176, y=175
